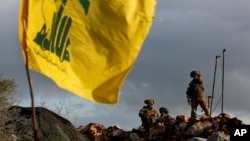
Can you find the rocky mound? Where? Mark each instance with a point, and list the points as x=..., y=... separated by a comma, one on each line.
x=56, y=128
x=181, y=128
x=52, y=127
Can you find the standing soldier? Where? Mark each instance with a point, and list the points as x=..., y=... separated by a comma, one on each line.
x=148, y=114
x=195, y=94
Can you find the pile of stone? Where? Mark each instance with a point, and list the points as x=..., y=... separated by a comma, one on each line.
x=52, y=127
x=181, y=128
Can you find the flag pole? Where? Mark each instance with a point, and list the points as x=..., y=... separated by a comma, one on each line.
x=22, y=34
x=36, y=133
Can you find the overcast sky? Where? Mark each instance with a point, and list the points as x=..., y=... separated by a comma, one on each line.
x=186, y=35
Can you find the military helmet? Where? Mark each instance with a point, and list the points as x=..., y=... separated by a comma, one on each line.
x=164, y=110
x=195, y=73
x=149, y=102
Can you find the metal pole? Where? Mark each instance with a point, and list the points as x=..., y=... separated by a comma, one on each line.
x=208, y=101
x=222, y=94
x=212, y=97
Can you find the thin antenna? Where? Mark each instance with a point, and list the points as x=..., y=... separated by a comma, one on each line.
x=212, y=97
x=208, y=99
x=222, y=94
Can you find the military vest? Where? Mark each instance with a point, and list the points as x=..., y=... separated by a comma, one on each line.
x=195, y=88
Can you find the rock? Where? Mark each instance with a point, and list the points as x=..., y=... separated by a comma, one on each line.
x=51, y=126
x=117, y=132
x=13, y=137
x=197, y=139
x=94, y=132
x=134, y=137
x=198, y=128
x=219, y=136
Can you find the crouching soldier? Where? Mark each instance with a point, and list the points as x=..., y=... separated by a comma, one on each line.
x=148, y=114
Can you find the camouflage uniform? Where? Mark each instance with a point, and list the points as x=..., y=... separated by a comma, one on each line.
x=148, y=114
x=169, y=124
x=165, y=117
x=195, y=93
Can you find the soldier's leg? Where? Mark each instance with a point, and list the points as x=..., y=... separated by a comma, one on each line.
x=194, y=105
x=204, y=105
x=145, y=123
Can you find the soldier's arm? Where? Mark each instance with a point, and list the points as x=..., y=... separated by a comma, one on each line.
x=155, y=113
x=201, y=83
x=142, y=112
x=200, y=80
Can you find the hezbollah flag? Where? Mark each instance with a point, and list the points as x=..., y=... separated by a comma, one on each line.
x=85, y=46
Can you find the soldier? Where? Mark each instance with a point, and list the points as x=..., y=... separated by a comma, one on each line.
x=168, y=123
x=164, y=116
x=195, y=94
x=148, y=114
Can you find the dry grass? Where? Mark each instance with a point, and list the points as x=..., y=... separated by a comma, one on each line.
x=7, y=87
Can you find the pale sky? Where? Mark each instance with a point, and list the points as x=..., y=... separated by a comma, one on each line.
x=186, y=35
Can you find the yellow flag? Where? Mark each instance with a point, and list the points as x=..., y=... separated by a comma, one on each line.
x=85, y=46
